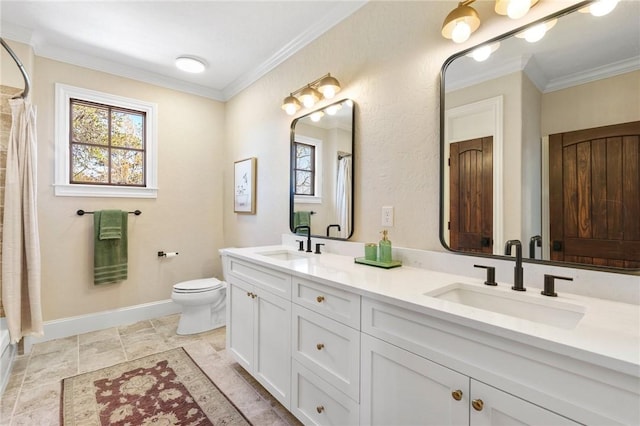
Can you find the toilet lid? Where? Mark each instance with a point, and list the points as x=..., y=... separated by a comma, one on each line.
x=198, y=285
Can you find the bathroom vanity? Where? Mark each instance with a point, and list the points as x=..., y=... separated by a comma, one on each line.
x=341, y=343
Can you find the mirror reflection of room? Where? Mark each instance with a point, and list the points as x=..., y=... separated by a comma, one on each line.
x=322, y=172
x=543, y=141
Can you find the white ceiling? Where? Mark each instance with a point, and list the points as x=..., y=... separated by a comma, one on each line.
x=240, y=40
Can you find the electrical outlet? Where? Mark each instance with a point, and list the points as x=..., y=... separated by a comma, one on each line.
x=387, y=216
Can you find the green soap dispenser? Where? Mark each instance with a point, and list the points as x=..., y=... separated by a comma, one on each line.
x=384, y=251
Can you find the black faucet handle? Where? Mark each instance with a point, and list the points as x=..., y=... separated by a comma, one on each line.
x=491, y=274
x=318, y=248
x=300, y=245
x=549, y=284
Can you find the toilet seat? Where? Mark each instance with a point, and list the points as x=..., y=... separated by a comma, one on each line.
x=198, y=286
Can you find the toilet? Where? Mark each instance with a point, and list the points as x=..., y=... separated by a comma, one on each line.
x=203, y=304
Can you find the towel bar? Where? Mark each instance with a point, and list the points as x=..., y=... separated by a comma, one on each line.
x=82, y=212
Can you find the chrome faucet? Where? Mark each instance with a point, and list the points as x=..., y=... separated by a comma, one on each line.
x=518, y=284
x=308, y=228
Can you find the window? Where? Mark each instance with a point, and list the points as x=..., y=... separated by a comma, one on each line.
x=105, y=145
x=307, y=169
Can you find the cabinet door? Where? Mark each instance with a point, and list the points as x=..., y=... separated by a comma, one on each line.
x=492, y=406
x=401, y=388
x=272, y=350
x=240, y=302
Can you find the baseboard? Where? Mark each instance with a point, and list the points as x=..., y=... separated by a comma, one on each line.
x=7, y=355
x=71, y=326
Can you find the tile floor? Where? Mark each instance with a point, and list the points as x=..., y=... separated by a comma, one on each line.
x=32, y=396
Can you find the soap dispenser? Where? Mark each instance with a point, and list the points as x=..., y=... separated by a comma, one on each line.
x=384, y=248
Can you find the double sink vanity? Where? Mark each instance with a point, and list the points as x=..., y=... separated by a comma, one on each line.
x=342, y=343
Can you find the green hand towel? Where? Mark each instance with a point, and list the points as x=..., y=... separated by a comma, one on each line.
x=301, y=218
x=110, y=255
x=110, y=224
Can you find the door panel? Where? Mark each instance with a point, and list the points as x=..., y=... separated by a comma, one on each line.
x=471, y=189
x=594, y=179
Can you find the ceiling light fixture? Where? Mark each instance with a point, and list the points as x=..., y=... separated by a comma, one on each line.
x=190, y=64
x=324, y=87
x=462, y=21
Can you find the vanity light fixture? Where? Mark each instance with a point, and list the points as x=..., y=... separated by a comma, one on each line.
x=483, y=52
x=536, y=32
x=190, y=64
x=333, y=109
x=600, y=7
x=316, y=116
x=324, y=87
x=462, y=21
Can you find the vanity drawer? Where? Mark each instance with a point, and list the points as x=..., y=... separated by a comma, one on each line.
x=267, y=279
x=328, y=348
x=315, y=402
x=332, y=302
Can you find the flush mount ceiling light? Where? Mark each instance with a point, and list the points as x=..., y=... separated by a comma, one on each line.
x=190, y=64
x=324, y=87
x=462, y=21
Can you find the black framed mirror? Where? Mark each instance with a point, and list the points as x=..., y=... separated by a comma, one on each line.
x=321, y=172
x=540, y=142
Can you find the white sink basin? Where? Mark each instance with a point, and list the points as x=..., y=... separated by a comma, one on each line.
x=282, y=255
x=531, y=307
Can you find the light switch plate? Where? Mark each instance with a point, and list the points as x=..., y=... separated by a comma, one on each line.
x=387, y=216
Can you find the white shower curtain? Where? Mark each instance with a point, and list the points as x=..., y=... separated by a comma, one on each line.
x=20, y=241
x=343, y=196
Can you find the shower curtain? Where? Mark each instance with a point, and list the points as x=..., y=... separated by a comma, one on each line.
x=343, y=196
x=20, y=244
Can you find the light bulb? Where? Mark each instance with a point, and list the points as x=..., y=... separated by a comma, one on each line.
x=535, y=33
x=331, y=110
x=518, y=8
x=461, y=32
x=602, y=7
x=316, y=116
x=290, y=109
x=482, y=53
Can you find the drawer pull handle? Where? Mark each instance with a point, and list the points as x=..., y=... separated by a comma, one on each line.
x=320, y=346
x=320, y=409
x=477, y=404
x=457, y=394
x=320, y=299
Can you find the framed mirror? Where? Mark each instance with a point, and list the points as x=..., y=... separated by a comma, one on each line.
x=321, y=172
x=540, y=142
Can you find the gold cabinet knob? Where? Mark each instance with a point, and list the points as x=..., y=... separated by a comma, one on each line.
x=477, y=404
x=320, y=409
x=320, y=346
x=457, y=394
x=320, y=299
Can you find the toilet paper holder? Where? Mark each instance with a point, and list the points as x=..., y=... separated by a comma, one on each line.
x=167, y=254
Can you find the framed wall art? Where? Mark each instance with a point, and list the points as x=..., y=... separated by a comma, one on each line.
x=244, y=186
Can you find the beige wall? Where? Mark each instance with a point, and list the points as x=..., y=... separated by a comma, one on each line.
x=388, y=57
x=186, y=217
x=610, y=101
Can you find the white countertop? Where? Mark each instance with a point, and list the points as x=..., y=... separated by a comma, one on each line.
x=608, y=335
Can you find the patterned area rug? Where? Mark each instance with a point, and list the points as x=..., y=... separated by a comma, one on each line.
x=167, y=388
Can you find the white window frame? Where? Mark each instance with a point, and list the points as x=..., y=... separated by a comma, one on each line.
x=317, y=198
x=64, y=93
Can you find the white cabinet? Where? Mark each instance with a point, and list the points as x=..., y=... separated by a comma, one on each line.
x=491, y=406
x=401, y=388
x=259, y=334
